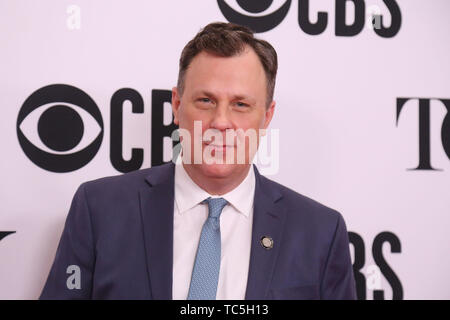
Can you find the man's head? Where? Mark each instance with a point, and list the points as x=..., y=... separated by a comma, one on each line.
x=226, y=81
x=227, y=40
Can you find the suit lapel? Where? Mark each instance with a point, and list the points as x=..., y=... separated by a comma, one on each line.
x=268, y=220
x=156, y=203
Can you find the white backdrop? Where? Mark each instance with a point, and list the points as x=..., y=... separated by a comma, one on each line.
x=340, y=141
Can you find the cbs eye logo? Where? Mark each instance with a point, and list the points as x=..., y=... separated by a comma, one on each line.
x=254, y=22
x=60, y=128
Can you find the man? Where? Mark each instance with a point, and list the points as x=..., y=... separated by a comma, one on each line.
x=210, y=226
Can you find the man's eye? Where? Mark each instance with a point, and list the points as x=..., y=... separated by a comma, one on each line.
x=205, y=100
x=241, y=104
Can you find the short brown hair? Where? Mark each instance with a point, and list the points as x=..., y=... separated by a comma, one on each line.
x=227, y=40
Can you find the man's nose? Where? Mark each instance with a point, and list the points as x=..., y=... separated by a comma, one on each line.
x=221, y=118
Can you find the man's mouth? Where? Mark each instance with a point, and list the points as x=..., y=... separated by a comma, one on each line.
x=219, y=147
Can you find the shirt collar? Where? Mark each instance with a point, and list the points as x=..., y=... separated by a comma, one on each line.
x=188, y=194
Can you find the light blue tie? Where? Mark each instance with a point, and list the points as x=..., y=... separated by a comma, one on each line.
x=205, y=275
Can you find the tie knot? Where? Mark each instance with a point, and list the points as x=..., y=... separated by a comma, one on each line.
x=215, y=206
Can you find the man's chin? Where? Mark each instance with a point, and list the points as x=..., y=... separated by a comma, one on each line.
x=220, y=170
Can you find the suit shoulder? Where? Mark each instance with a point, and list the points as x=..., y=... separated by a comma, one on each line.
x=134, y=177
x=301, y=205
x=123, y=183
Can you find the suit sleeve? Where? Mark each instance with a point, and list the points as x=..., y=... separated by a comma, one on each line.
x=70, y=276
x=338, y=281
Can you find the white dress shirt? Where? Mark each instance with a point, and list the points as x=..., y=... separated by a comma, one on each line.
x=235, y=231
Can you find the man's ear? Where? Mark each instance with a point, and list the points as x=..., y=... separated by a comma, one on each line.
x=176, y=102
x=269, y=114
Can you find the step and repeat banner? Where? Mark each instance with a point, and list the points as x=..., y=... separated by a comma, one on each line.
x=362, y=120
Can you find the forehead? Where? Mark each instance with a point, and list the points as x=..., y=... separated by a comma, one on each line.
x=242, y=72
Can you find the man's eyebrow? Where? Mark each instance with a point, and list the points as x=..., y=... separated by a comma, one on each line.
x=204, y=93
x=243, y=97
x=235, y=97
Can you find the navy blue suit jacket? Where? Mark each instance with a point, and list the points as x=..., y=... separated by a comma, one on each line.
x=119, y=232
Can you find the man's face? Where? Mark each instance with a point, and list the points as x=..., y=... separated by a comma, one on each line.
x=223, y=93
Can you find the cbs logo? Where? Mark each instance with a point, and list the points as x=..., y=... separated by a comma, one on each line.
x=253, y=14
x=60, y=128
x=256, y=23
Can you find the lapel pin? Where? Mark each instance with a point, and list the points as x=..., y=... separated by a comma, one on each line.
x=267, y=242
